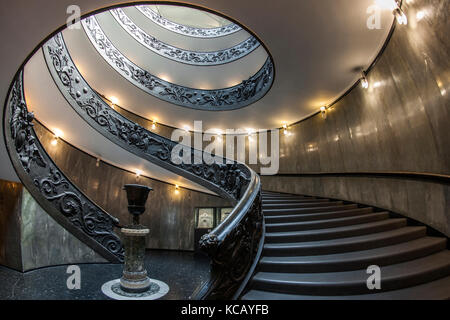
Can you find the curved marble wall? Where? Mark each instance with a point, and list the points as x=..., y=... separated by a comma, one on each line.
x=28, y=233
x=401, y=123
x=169, y=216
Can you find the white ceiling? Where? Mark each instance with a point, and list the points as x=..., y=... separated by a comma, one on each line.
x=316, y=46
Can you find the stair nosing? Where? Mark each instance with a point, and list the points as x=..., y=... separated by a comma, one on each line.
x=394, y=252
x=395, y=276
x=306, y=223
x=331, y=230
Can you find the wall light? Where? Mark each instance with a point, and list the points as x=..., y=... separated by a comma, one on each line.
x=154, y=125
x=285, y=129
x=394, y=6
x=138, y=173
x=420, y=15
x=364, y=81
x=97, y=162
x=164, y=77
x=400, y=14
x=114, y=100
x=323, y=112
x=56, y=135
x=177, y=189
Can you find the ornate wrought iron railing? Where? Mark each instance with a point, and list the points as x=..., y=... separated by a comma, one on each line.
x=187, y=30
x=168, y=51
x=235, y=97
x=49, y=186
x=232, y=246
x=227, y=179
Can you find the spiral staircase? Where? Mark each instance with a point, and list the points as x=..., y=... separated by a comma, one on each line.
x=236, y=239
x=273, y=245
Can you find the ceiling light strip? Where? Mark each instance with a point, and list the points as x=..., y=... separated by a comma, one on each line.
x=187, y=30
x=181, y=55
x=238, y=96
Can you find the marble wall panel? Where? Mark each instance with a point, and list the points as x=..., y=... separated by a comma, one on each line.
x=401, y=123
x=45, y=243
x=30, y=238
x=10, y=201
x=424, y=201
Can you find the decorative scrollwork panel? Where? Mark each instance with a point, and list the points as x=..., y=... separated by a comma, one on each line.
x=227, y=179
x=48, y=185
x=187, y=30
x=233, y=256
x=238, y=96
x=237, y=238
x=181, y=55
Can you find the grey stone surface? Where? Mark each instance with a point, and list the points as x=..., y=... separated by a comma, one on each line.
x=30, y=238
x=45, y=243
x=401, y=123
x=10, y=200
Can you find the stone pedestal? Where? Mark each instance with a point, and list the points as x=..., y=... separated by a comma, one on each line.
x=134, y=278
x=135, y=284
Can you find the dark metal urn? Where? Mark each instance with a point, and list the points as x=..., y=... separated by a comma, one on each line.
x=137, y=197
x=134, y=278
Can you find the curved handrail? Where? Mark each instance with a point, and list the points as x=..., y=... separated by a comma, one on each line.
x=230, y=98
x=49, y=186
x=187, y=30
x=205, y=58
x=233, y=244
x=227, y=179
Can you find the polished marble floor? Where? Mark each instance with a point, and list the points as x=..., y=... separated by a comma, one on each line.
x=182, y=271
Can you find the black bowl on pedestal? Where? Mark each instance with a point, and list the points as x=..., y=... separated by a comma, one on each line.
x=137, y=196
